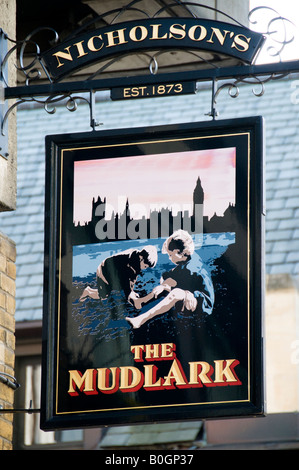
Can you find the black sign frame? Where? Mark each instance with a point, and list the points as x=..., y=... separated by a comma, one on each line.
x=226, y=351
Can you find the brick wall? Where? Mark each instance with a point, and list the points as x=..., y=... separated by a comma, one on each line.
x=7, y=336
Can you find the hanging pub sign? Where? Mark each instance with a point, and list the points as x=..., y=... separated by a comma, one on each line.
x=153, y=275
x=192, y=34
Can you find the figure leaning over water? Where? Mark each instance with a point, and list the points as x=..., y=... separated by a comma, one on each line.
x=188, y=286
x=119, y=272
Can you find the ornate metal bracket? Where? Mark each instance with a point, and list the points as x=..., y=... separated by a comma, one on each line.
x=277, y=41
x=40, y=88
x=29, y=410
x=12, y=383
x=49, y=104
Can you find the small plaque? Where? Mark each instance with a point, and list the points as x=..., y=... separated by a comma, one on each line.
x=151, y=91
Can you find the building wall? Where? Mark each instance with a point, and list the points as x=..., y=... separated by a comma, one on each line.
x=281, y=344
x=8, y=166
x=235, y=8
x=7, y=336
x=8, y=182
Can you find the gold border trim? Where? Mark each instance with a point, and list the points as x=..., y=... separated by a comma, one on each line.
x=248, y=272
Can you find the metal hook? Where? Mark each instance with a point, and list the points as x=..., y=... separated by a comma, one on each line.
x=213, y=113
x=9, y=380
x=93, y=122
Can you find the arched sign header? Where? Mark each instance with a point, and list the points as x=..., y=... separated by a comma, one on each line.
x=152, y=34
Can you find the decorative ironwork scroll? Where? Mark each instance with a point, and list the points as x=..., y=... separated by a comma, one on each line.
x=213, y=51
x=279, y=31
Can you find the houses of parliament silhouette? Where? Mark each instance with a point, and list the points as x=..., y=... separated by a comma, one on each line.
x=160, y=223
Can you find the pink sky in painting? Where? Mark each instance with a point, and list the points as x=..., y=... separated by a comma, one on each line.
x=162, y=180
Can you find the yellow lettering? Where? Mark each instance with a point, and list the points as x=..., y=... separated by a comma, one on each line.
x=81, y=51
x=103, y=379
x=150, y=377
x=177, y=31
x=242, y=43
x=63, y=55
x=131, y=379
x=176, y=375
x=223, y=373
x=199, y=373
x=143, y=33
x=221, y=38
x=155, y=34
x=135, y=91
x=167, y=350
x=202, y=35
x=85, y=383
x=91, y=46
x=136, y=350
x=118, y=35
x=127, y=92
x=152, y=351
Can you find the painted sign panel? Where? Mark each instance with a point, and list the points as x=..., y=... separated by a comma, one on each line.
x=153, y=275
x=152, y=34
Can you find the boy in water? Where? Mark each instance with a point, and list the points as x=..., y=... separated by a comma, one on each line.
x=120, y=271
x=188, y=285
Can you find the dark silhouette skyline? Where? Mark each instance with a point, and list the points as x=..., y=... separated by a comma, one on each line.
x=159, y=223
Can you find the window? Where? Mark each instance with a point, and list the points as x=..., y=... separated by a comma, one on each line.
x=27, y=433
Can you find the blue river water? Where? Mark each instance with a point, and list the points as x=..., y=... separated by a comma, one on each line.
x=106, y=318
